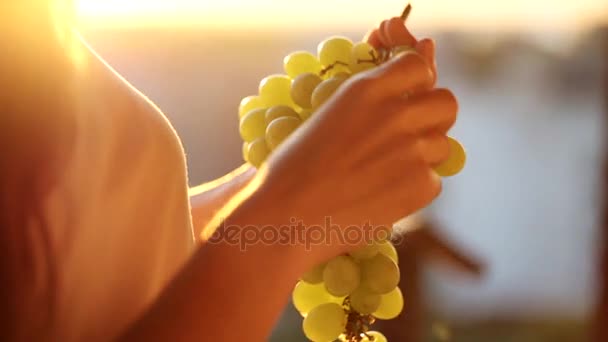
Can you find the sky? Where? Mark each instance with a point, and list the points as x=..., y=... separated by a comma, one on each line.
x=289, y=14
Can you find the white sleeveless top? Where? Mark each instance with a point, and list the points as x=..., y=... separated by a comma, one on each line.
x=120, y=217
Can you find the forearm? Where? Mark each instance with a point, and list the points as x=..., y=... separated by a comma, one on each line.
x=225, y=293
x=209, y=198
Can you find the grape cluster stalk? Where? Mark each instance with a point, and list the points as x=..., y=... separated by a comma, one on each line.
x=341, y=299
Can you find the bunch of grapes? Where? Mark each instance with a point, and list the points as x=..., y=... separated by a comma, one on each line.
x=342, y=298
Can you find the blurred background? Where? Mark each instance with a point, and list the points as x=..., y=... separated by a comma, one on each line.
x=528, y=75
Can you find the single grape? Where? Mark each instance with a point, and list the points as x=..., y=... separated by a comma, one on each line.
x=280, y=111
x=455, y=162
x=363, y=57
x=391, y=305
x=279, y=129
x=302, y=88
x=338, y=70
x=341, y=276
x=325, y=323
x=387, y=248
x=245, y=150
x=306, y=297
x=275, y=90
x=315, y=275
x=325, y=90
x=366, y=252
x=305, y=114
x=334, y=49
x=374, y=336
x=363, y=301
x=248, y=104
x=301, y=62
x=379, y=274
x=258, y=152
x=253, y=125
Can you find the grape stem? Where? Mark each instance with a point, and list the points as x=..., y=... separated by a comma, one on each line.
x=331, y=66
x=406, y=12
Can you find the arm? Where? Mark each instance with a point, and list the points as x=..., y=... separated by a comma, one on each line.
x=207, y=199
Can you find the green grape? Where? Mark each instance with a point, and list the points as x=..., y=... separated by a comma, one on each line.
x=455, y=162
x=325, y=323
x=306, y=297
x=325, y=90
x=258, y=152
x=334, y=49
x=305, y=114
x=366, y=252
x=275, y=90
x=279, y=129
x=248, y=104
x=245, y=150
x=253, y=125
x=363, y=301
x=314, y=276
x=302, y=88
x=387, y=248
x=301, y=62
x=391, y=305
x=338, y=70
x=280, y=111
x=379, y=274
x=374, y=336
x=363, y=57
x=341, y=276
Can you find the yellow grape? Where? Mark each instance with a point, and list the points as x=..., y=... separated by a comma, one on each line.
x=245, y=150
x=455, y=162
x=374, y=336
x=302, y=88
x=253, y=125
x=279, y=129
x=325, y=90
x=325, y=323
x=366, y=252
x=338, y=70
x=379, y=274
x=305, y=114
x=341, y=276
x=363, y=57
x=307, y=296
x=315, y=275
x=280, y=111
x=275, y=90
x=391, y=305
x=248, y=104
x=301, y=62
x=334, y=49
x=258, y=152
x=363, y=301
x=387, y=248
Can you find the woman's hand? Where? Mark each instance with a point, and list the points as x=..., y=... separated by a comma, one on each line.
x=365, y=159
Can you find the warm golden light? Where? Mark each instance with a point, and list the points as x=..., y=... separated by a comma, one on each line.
x=230, y=14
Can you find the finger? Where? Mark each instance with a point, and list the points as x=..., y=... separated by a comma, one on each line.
x=373, y=39
x=405, y=73
x=426, y=48
x=433, y=111
x=397, y=34
x=382, y=36
x=433, y=148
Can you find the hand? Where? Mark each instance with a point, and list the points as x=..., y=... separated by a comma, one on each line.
x=366, y=157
